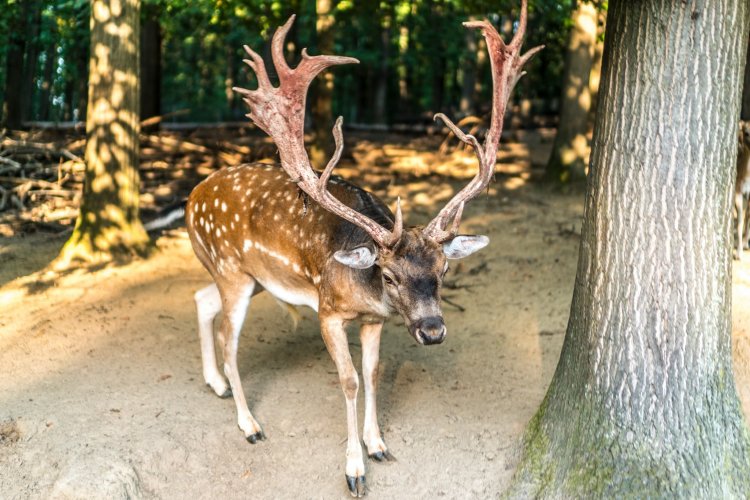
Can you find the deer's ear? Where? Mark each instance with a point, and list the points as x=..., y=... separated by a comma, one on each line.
x=462, y=246
x=358, y=258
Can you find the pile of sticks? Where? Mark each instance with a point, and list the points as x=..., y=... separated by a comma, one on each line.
x=42, y=172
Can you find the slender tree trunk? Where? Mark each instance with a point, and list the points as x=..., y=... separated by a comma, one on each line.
x=381, y=91
x=31, y=59
x=745, y=112
x=13, y=107
x=643, y=402
x=151, y=66
x=108, y=222
x=468, y=73
x=570, y=151
x=322, y=115
x=46, y=86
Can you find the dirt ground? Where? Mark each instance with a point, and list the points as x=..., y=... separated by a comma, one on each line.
x=102, y=396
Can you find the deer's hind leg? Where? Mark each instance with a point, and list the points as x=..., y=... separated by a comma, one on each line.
x=235, y=299
x=208, y=304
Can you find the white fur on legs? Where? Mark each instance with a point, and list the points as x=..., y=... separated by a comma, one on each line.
x=208, y=303
x=369, y=335
x=336, y=341
x=235, y=303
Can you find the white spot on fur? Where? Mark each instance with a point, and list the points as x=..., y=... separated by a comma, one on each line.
x=237, y=217
x=246, y=246
x=223, y=206
x=216, y=202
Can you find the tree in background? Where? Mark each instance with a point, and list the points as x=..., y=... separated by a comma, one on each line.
x=745, y=111
x=643, y=402
x=322, y=114
x=570, y=151
x=108, y=222
x=150, y=76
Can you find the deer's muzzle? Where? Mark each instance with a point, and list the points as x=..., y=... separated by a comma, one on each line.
x=429, y=331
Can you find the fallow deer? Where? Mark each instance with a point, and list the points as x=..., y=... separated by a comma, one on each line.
x=742, y=188
x=316, y=240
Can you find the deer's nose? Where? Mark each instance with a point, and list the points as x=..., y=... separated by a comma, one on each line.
x=430, y=330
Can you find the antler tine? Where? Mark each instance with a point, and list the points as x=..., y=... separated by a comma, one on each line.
x=280, y=112
x=259, y=68
x=319, y=193
x=309, y=67
x=517, y=39
x=506, y=64
x=277, y=48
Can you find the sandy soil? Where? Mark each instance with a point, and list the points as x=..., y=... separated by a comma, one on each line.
x=101, y=392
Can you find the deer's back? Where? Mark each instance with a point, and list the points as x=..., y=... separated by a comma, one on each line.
x=253, y=219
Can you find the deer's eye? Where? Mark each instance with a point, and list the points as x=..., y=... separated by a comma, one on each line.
x=388, y=280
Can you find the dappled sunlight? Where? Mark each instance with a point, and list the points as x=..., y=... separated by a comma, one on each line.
x=109, y=220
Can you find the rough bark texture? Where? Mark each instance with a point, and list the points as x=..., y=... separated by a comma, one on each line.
x=322, y=115
x=108, y=222
x=570, y=152
x=643, y=402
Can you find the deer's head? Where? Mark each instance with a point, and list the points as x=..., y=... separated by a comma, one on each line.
x=412, y=273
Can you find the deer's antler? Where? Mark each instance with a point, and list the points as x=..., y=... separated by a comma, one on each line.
x=506, y=62
x=280, y=112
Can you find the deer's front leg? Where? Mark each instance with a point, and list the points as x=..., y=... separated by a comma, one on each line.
x=369, y=334
x=334, y=336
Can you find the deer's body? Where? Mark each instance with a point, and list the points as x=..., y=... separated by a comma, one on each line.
x=318, y=241
x=742, y=188
x=283, y=240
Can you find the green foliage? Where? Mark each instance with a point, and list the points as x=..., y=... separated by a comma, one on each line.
x=417, y=49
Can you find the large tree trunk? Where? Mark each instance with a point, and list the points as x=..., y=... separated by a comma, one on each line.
x=570, y=151
x=322, y=115
x=108, y=222
x=643, y=402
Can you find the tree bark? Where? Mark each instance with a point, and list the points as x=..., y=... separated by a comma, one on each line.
x=643, y=402
x=570, y=151
x=322, y=115
x=108, y=222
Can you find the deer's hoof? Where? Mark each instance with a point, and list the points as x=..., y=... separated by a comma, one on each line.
x=383, y=456
x=356, y=485
x=226, y=394
x=253, y=438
